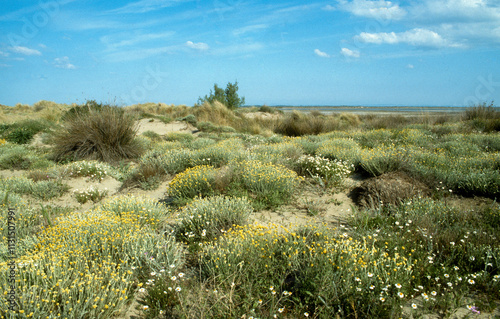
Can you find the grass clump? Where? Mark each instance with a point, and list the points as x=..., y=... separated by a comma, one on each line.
x=97, y=132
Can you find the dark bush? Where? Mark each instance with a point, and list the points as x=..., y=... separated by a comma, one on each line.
x=98, y=132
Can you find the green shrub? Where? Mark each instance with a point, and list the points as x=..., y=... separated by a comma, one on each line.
x=219, y=154
x=145, y=210
x=342, y=149
x=148, y=175
x=211, y=128
x=449, y=247
x=191, y=119
x=298, y=270
x=172, y=161
x=178, y=136
x=99, y=132
x=16, y=157
x=481, y=112
x=91, y=193
x=93, y=169
x=196, y=181
x=271, y=185
x=152, y=135
x=206, y=219
x=382, y=159
x=331, y=173
x=46, y=190
x=23, y=132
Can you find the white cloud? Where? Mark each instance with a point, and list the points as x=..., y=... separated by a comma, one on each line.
x=63, y=63
x=415, y=37
x=376, y=9
x=329, y=8
x=321, y=53
x=25, y=50
x=2, y=65
x=43, y=46
x=197, y=46
x=4, y=54
x=349, y=53
x=410, y=66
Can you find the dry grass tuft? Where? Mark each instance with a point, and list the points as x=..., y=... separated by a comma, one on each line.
x=103, y=133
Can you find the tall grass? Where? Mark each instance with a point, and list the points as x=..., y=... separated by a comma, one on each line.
x=99, y=132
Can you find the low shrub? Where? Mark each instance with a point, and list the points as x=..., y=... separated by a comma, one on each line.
x=481, y=112
x=343, y=149
x=94, y=194
x=205, y=219
x=16, y=157
x=195, y=181
x=94, y=170
x=46, y=190
x=178, y=136
x=270, y=185
x=23, y=132
x=112, y=253
x=219, y=154
x=331, y=173
x=290, y=271
x=382, y=159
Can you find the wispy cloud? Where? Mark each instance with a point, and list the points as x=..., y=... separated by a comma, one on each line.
x=321, y=53
x=48, y=7
x=140, y=54
x=250, y=28
x=25, y=50
x=144, y=6
x=378, y=9
x=63, y=63
x=132, y=39
x=197, y=46
x=4, y=54
x=415, y=37
x=350, y=53
x=238, y=49
x=410, y=66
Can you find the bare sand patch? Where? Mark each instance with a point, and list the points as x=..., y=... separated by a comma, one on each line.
x=162, y=128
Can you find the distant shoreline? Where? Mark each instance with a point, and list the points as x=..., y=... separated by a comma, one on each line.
x=415, y=110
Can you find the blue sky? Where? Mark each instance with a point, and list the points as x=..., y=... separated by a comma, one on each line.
x=345, y=52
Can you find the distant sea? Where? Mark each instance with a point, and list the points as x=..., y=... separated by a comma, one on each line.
x=416, y=110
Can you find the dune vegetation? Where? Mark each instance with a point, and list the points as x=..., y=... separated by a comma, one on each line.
x=421, y=237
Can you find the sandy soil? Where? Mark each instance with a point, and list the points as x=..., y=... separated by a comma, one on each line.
x=161, y=128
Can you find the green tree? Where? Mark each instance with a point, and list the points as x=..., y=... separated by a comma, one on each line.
x=229, y=97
